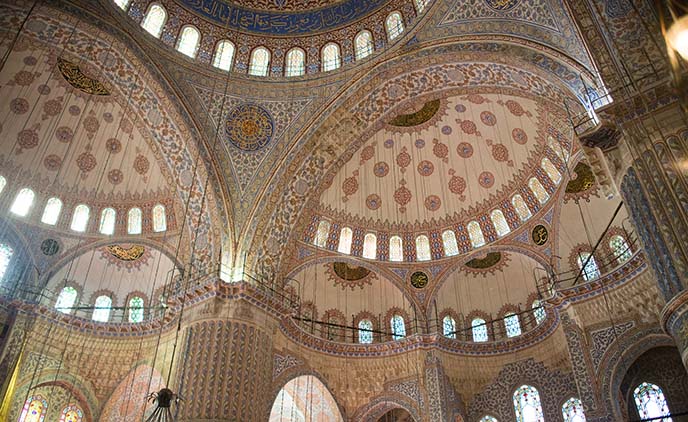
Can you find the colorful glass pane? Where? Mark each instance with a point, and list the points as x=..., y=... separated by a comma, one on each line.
x=34, y=409
x=591, y=271
x=102, y=307
x=398, y=327
x=451, y=248
x=423, y=248
x=296, y=60
x=154, y=20
x=365, y=331
x=370, y=246
x=650, y=402
x=108, y=218
x=136, y=309
x=330, y=57
x=260, y=62
x=159, y=218
x=66, y=299
x=521, y=207
x=345, y=238
x=394, y=25
x=322, y=233
x=512, y=325
x=449, y=327
x=572, y=410
x=488, y=418
x=72, y=413
x=396, y=250
x=527, y=404
x=134, y=221
x=551, y=170
x=622, y=252
x=538, y=190
x=499, y=222
x=22, y=203
x=479, y=330
x=538, y=311
x=475, y=233
x=80, y=218
x=224, y=55
x=51, y=212
x=188, y=41
x=364, y=45
x=6, y=253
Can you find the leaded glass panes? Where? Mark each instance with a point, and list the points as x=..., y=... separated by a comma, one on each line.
x=22, y=202
x=423, y=248
x=539, y=311
x=66, y=300
x=365, y=331
x=488, y=418
x=538, y=190
x=449, y=327
x=479, y=330
x=154, y=20
x=398, y=327
x=394, y=25
x=521, y=207
x=101, y=308
x=451, y=248
x=591, y=271
x=260, y=62
x=189, y=39
x=512, y=325
x=108, y=218
x=72, y=413
x=420, y=5
x=123, y=4
x=331, y=59
x=551, y=170
x=500, y=223
x=224, y=55
x=527, y=404
x=6, y=253
x=80, y=218
x=558, y=148
x=159, y=218
x=396, y=249
x=322, y=233
x=650, y=402
x=364, y=44
x=136, y=309
x=34, y=409
x=475, y=233
x=296, y=62
x=572, y=410
x=134, y=221
x=620, y=249
x=345, y=238
x=51, y=212
x=370, y=246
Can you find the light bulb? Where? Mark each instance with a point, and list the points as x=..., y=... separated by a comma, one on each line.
x=677, y=36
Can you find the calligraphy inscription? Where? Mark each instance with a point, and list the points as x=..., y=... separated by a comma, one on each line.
x=540, y=235
x=79, y=80
x=130, y=254
x=419, y=279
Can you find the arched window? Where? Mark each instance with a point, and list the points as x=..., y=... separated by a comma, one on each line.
x=363, y=44
x=108, y=218
x=394, y=25
x=551, y=170
x=591, y=271
x=159, y=218
x=80, y=218
x=396, y=249
x=521, y=207
x=6, y=253
x=224, y=55
x=370, y=246
x=322, y=233
x=488, y=418
x=451, y=248
x=620, y=249
x=154, y=20
x=66, y=300
x=539, y=191
x=345, y=238
x=365, y=331
x=479, y=330
x=3, y=183
x=650, y=402
x=499, y=222
x=538, y=311
x=260, y=62
x=449, y=327
x=296, y=63
x=423, y=248
x=572, y=410
x=34, y=409
x=136, y=309
x=512, y=324
x=559, y=148
x=123, y=4
x=475, y=233
x=51, y=212
x=331, y=59
x=527, y=404
x=134, y=221
x=22, y=203
x=188, y=42
x=420, y=5
x=101, y=308
x=398, y=327
x=72, y=413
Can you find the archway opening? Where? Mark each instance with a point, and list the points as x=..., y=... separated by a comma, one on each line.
x=305, y=398
x=396, y=415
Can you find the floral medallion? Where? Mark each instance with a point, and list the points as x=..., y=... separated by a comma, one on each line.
x=249, y=127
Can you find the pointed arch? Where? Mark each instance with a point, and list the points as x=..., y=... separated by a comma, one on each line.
x=294, y=397
x=394, y=25
x=527, y=405
x=363, y=44
x=155, y=20
x=189, y=40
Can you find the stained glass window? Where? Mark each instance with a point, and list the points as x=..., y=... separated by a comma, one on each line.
x=538, y=311
x=22, y=203
x=260, y=62
x=499, y=222
x=72, y=413
x=420, y=5
x=365, y=331
x=108, y=218
x=154, y=20
x=331, y=59
x=134, y=221
x=398, y=327
x=650, y=402
x=364, y=44
x=80, y=218
x=591, y=271
x=189, y=39
x=102, y=307
x=620, y=249
x=449, y=242
x=475, y=233
x=521, y=207
x=123, y=4
x=34, y=409
x=512, y=324
x=51, y=212
x=488, y=418
x=559, y=148
x=66, y=300
x=551, y=170
x=224, y=55
x=136, y=309
x=345, y=238
x=6, y=253
x=159, y=218
x=423, y=248
x=370, y=246
x=296, y=62
x=3, y=183
x=394, y=25
x=527, y=404
x=479, y=330
x=322, y=233
x=449, y=327
x=396, y=249
x=572, y=410
x=539, y=191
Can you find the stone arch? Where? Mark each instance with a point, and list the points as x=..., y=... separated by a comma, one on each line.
x=301, y=389
x=128, y=400
x=385, y=403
